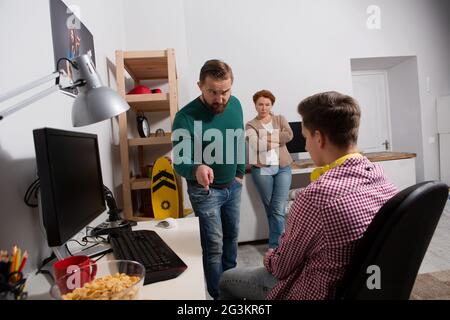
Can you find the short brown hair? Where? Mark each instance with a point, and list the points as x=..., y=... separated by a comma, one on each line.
x=216, y=69
x=264, y=93
x=334, y=114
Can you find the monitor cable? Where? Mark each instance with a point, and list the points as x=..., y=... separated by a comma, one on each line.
x=33, y=189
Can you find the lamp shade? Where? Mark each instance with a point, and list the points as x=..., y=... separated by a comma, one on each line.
x=94, y=101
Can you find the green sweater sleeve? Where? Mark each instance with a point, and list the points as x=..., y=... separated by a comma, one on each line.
x=183, y=147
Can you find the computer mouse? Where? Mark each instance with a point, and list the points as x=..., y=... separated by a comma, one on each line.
x=168, y=223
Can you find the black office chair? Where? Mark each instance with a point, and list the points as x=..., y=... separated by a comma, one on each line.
x=396, y=241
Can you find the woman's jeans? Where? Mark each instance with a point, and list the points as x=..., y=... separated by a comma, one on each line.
x=218, y=213
x=273, y=184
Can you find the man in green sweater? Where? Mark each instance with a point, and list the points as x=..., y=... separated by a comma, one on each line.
x=208, y=138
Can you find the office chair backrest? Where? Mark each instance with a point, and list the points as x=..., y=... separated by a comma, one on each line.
x=395, y=241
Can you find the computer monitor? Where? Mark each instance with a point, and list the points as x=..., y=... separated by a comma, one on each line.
x=71, y=184
x=296, y=146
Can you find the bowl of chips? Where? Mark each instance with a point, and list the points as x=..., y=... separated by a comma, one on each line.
x=113, y=280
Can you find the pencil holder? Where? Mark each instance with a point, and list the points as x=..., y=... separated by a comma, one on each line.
x=12, y=287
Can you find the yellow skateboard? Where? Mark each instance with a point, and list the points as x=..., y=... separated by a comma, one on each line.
x=164, y=190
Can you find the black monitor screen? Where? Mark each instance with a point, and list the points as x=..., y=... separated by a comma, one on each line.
x=297, y=144
x=71, y=182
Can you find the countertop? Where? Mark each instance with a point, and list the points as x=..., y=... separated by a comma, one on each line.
x=372, y=156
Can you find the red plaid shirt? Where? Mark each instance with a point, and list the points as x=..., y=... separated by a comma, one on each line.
x=324, y=223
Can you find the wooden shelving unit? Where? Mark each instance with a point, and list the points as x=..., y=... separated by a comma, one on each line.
x=156, y=102
x=141, y=66
x=152, y=140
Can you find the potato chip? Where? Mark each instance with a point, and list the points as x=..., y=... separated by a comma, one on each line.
x=110, y=287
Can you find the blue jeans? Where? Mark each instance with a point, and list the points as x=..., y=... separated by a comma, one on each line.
x=252, y=283
x=273, y=185
x=218, y=212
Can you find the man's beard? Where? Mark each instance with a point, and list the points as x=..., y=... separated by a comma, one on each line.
x=216, y=108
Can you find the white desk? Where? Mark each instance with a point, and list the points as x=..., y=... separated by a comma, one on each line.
x=184, y=240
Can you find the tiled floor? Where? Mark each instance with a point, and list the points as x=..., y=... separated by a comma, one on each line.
x=437, y=257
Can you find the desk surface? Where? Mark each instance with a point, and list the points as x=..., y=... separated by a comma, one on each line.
x=184, y=239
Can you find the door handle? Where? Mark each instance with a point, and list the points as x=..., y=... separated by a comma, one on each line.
x=386, y=144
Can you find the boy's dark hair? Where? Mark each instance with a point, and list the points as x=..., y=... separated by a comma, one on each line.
x=334, y=114
x=216, y=69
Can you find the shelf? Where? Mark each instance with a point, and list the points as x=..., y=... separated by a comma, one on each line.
x=155, y=102
x=140, y=183
x=151, y=141
x=146, y=65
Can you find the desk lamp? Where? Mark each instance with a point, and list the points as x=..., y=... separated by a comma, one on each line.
x=94, y=102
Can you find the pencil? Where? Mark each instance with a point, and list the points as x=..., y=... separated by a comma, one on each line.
x=13, y=259
x=24, y=260
x=18, y=259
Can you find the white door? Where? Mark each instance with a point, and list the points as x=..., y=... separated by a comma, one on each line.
x=444, y=157
x=370, y=89
x=443, y=114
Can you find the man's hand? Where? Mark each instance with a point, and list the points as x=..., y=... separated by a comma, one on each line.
x=238, y=180
x=204, y=176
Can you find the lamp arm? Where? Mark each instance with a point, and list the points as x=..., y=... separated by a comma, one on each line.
x=41, y=94
x=104, y=103
x=24, y=88
x=28, y=86
x=28, y=101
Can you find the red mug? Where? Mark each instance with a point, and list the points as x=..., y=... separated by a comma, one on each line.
x=73, y=272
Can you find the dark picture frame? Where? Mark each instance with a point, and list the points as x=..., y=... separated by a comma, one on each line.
x=70, y=37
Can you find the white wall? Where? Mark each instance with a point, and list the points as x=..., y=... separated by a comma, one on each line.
x=405, y=111
x=26, y=55
x=158, y=25
x=433, y=51
x=299, y=47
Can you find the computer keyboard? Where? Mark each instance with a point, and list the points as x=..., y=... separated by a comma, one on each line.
x=146, y=247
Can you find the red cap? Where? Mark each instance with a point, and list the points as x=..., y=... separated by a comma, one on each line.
x=140, y=90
